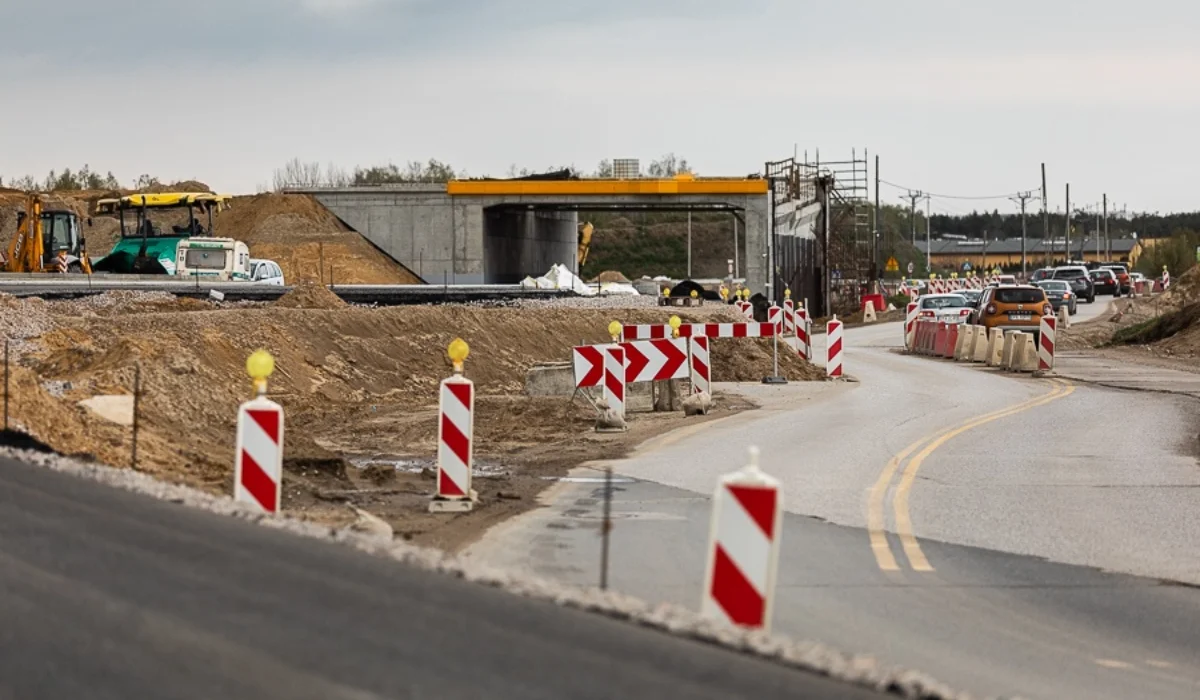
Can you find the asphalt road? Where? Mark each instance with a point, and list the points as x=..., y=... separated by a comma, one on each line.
x=107, y=594
x=966, y=508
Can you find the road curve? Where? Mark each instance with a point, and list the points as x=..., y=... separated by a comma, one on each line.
x=108, y=594
x=1006, y=496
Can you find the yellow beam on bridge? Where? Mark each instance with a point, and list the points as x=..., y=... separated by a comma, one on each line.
x=602, y=188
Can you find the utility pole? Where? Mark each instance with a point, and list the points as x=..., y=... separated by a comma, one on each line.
x=1107, y=240
x=912, y=214
x=1022, y=198
x=983, y=260
x=1067, y=233
x=928, y=237
x=689, y=243
x=1098, y=250
x=878, y=258
x=1045, y=217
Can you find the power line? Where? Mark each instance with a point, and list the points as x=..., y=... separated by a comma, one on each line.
x=951, y=196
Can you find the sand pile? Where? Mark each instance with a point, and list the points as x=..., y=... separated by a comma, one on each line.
x=309, y=295
x=611, y=276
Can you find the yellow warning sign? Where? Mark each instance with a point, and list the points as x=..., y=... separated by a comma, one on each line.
x=893, y=265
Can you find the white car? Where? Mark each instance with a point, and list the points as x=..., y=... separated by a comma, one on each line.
x=266, y=272
x=951, y=308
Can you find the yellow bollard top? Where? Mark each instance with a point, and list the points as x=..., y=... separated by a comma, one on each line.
x=614, y=329
x=458, y=351
x=695, y=294
x=675, y=323
x=259, y=366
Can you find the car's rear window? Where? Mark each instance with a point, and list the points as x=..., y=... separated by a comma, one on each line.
x=1102, y=273
x=1019, y=296
x=950, y=302
x=1049, y=284
x=1069, y=274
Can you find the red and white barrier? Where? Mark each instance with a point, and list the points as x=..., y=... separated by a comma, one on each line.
x=942, y=335
x=648, y=331
x=727, y=330
x=743, y=548
x=456, y=435
x=910, y=322
x=804, y=333
x=789, y=318
x=258, y=464
x=588, y=365
x=701, y=368
x=1046, y=341
x=951, y=340
x=614, y=378
x=655, y=360
x=775, y=318
x=833, y=348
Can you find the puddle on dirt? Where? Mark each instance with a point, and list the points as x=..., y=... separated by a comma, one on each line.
x=416, y=466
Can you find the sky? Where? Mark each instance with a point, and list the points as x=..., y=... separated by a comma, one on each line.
x=957, y=98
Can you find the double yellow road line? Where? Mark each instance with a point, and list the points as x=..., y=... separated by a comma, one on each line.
x=923, y=448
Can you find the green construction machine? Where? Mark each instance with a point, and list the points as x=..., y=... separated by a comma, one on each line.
x=149, y=240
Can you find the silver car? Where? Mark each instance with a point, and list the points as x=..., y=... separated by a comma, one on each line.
x=951, y=308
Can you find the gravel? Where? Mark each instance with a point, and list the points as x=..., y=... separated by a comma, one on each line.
x=807, y=655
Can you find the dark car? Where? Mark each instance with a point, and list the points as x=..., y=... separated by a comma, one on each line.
x=1122, y=273
x=1105, y=282
x=1059, y=293
x=1080, y=281
x=1040, y=274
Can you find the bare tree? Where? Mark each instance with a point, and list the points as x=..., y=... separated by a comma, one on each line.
x=668, y=166
x=604, y=168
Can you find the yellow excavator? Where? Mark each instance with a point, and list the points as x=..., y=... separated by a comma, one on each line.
x=585, y=242
x=47, y=240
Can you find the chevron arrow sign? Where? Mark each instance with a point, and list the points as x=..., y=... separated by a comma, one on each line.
x=655, y=360
x=589, y=365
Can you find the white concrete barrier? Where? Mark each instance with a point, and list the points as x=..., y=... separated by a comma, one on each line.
x=960, y=340
x=1006, y=352
x=1064, y=317
x=980, y=353
x=995, y=347
x=1028, y=354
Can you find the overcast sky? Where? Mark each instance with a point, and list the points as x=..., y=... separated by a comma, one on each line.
x=957, y=97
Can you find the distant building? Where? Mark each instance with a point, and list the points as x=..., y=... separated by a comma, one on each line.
x=951, y=254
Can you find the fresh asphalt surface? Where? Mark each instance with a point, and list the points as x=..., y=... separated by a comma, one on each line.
x=1091, y=477
x=108, y=594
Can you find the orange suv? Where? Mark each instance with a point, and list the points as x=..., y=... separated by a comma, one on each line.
x=1012, y=308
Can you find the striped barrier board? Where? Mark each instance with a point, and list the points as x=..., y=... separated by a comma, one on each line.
x=661, y=331
x=1046, y=340
x=743, y=548
x=588, y=364
x=789, y=318
x=700, y=365
x=655, y=360
x=614, y=378
x=833, y=348
x=258, y=461
x=456, y=434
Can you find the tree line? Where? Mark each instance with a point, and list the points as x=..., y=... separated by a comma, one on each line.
x=298, y=174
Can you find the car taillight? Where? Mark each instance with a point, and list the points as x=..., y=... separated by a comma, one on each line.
x=928, y=314
x=1047, y=309
x=1066, y=295
x=991, y=309
x=964, y=312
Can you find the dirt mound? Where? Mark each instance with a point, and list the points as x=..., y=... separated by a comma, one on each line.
x=308, y=241
x=1184, y=289
x=611, y=276
x=308, y=295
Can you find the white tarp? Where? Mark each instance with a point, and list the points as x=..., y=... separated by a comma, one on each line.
x=560, y=277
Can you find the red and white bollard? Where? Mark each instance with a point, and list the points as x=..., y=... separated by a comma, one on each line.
x=789, y=315
x=833, y=347
x=456, y=437
x=701, y=368
x=910, y=324
x=614, y=379
x=803, y=334
x=258, y=462
x=1046, y=339
x=775, y=318
x=743, y=548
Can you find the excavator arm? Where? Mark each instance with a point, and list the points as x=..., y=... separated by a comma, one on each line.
x=25, y=247
x=585, y=242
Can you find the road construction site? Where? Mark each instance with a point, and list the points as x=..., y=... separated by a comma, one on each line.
x=1009, y=533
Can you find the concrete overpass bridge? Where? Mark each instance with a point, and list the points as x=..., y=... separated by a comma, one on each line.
x=499, y=231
